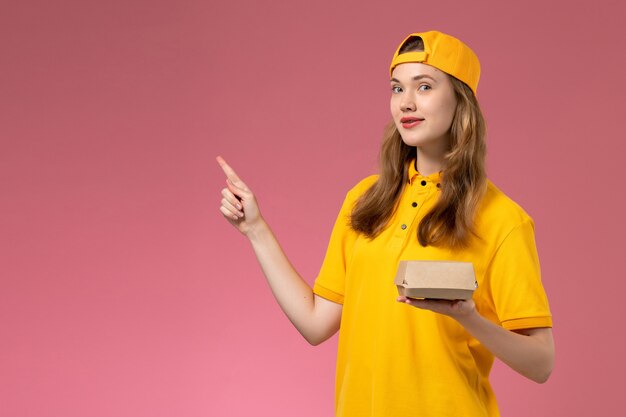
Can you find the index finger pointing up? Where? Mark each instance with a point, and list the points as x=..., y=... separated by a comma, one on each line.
x=230, y=173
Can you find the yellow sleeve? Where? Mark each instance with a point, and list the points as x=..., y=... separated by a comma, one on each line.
x=330, y=282
x=514, y=278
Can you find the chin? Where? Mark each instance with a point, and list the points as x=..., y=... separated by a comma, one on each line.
x=416, y=142
x=420, y=141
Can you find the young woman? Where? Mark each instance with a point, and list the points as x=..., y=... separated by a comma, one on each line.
x=408, y=357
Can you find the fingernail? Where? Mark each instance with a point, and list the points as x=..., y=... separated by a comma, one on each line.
x=239, y=206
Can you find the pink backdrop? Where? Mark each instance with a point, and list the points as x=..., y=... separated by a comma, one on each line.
x=124, y=292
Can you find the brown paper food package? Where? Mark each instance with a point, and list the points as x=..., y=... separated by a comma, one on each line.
x=446, y=280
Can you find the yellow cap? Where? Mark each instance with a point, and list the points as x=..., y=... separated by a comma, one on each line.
x=444, y=52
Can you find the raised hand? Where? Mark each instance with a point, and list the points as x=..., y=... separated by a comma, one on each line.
x=239, y=206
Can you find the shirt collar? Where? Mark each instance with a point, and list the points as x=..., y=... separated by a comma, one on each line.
x=414, y=175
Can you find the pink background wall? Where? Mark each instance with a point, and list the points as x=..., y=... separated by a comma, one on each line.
x=124, y=292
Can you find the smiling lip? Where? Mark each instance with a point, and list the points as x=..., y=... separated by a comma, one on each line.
x=409, y=122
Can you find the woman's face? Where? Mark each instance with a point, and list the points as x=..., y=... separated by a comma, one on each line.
x=423, y=104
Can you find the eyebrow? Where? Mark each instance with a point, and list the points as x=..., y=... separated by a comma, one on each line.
x=416, y=78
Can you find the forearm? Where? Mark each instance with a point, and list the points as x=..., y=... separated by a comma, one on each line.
x=293, y=294
x=531, y=355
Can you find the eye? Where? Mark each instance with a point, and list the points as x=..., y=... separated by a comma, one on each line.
x=424, y=87
x=396, y=89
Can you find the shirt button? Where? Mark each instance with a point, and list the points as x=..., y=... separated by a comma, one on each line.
x=423, y=182
x=403, y=226
x=414, y=204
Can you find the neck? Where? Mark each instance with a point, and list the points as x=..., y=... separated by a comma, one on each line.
x=430, y=159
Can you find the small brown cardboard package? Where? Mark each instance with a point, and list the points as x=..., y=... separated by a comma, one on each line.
x=447, y=280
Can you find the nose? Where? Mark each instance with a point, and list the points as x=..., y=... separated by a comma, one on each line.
x=407, y=104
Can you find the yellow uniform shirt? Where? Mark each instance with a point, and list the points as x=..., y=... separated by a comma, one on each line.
x=395, y=360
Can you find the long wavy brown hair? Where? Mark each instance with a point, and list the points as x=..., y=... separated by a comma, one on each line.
x=450, y=222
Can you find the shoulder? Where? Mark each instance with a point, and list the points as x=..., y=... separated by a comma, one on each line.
x=356, y=192
x=499, y=211
x=362, y=186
